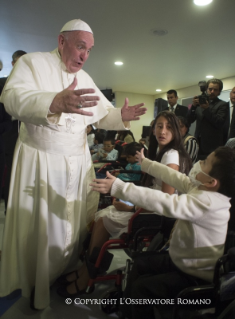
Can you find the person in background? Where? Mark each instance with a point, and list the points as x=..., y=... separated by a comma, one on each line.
x=133, y=164
x=232, y=114
x=173, y=106
x=143, y=142
x=107, y=152
x=98, y=143
x=10, y=136
x=212, y=119
x=15, y=56
x=90, y=135
x=5, y=126
x=190, y=142
x=125, y=136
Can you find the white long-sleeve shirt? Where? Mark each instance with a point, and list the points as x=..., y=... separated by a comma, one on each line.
x=199, y=236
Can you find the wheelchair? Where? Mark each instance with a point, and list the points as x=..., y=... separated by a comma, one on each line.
x=142, y=227
x=221, y=292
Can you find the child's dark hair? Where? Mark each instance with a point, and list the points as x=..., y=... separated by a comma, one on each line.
x=92, y=129
x=107, y=139
x=184, y=121
x=131, y=148
x=176, y=143
x=223, y=169
x=99, y=137
x=123, y=134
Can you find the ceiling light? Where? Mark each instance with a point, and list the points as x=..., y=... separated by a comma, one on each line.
x=209, y=76
x=159, y=32
x=158, y=90
x=5, y=76
x=202, y=2
x=118, y=63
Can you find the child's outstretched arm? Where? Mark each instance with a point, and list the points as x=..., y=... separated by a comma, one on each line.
x=168, y=175
x=174, y=206
x=103, y=186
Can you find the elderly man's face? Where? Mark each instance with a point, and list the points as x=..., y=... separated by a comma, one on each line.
x=74, y=48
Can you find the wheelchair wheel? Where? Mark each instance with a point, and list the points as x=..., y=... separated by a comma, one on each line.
x=112, y=302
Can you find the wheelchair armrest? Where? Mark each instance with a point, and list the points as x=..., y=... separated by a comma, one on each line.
x=209, y=288
x=222, y=264
x=194, y=293
x=140, y=210
x=231, y=253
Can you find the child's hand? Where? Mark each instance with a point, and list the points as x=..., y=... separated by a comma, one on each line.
x=105, y=155
x=103, y=186
x=140, y=156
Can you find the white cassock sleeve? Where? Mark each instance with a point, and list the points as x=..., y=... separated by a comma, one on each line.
x=34, y=82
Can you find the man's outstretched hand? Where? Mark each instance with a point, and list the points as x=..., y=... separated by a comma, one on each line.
x=68, y=100
x=132, y=113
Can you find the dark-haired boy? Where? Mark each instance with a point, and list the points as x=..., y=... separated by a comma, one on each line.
x=199, y=235
x=133, y=165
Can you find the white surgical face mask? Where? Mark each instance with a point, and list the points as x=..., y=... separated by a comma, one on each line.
x=196, y=169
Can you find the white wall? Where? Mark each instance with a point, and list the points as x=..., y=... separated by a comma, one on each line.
x=136, y=126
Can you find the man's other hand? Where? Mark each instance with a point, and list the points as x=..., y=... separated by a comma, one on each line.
x=69, y=100
x=132, y=113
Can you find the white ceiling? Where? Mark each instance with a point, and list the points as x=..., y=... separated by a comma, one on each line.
x=200, y=40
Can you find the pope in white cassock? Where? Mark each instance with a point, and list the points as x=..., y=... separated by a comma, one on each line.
x=50, y=200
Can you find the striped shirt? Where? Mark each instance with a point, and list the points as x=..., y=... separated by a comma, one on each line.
x=191, y=146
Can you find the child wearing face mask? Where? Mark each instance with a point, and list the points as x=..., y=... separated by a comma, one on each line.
x=199, y=236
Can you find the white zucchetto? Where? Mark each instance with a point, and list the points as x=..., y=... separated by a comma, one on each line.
x=76, y=25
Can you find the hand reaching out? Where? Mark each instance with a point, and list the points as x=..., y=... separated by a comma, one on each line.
x=74, y=101
x=103, y=186
x=132, y=113
x=140, y=156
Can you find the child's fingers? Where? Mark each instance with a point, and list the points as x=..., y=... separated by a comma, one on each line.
x=108, y=174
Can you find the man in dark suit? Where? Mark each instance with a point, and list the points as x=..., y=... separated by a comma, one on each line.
x=10, y=137
x=232, y=113
x=2, y=83
x=179, y=110
x=212, y=119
